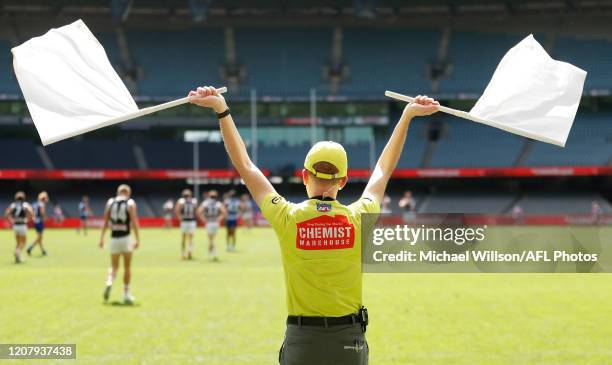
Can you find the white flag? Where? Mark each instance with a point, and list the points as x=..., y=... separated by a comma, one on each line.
x=68, y=83
x=532, y=94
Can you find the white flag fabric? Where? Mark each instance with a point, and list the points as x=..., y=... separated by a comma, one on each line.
x=69, y=84
x=532, y=94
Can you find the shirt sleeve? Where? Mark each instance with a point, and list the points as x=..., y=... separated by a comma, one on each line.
x=366, y=204
x=275, y=209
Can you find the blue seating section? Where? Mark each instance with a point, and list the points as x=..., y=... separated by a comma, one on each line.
x=469, y=144
x=290, y=61
x=283, y=62
x=474, y=57
x=414, y=148
x=174, y=62
x=164, y=154
x=593, y=56
x=8, y=82
x=589, y=143
x=388, y=59
x=92, y=154
x=19, y=154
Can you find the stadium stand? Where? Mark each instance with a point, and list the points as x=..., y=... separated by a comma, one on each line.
x=283, y=61
x=8, y=82
x=572, y=202
x=92, y=154
x=19, y=154
x=592, y=55
x=414, y=148
x=192, y=56
x=469, y=144
x=466, y=202
x=388, y=50
x=164, y=154
x=589, y=143
x=473, y=57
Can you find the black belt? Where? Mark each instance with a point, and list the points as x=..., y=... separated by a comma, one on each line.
x=360, y=317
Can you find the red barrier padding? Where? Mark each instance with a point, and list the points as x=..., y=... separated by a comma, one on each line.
x=441, y=173
x=468, y=220
x=118, y=174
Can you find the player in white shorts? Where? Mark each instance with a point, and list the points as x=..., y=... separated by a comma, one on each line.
x=246, y=210
x=121, y=213
x=185, y=211
x=18, y=213
x=212, y=212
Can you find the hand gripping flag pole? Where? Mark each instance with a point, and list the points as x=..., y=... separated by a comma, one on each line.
x=70, y=86
x=530, y=94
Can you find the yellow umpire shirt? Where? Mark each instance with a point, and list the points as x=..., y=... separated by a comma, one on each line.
x=320, y=243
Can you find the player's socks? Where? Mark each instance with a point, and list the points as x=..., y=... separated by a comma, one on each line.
x=44, y=253
x=107, y=292
x=127, y=297
x=29, y=250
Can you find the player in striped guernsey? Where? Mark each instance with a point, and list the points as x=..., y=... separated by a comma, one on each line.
x=40, y=213
x=212, y=212
x=18, y=213
x=185, y=211
x=121, y=214
x=232, y=207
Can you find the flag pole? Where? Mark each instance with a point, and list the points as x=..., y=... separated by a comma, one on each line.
x=473, y=118
x=125, y=117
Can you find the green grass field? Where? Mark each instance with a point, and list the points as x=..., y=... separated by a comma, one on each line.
x=233, y=312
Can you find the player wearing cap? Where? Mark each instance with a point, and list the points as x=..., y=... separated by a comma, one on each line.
x=121, y=213
x=40, y=213
x=320, y=238
x=18, y=213
x=185, y=211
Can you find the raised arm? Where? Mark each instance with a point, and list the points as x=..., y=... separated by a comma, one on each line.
x=392, y=151
x=256, y=182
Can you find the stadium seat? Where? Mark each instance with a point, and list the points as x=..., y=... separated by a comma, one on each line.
x=589, y=143
x=371, y=54
x=173, y=62
x=473, y=57
x=284, y=62
x=92, y=154
x=8, y=82
x=26, y=158
x=469, y=144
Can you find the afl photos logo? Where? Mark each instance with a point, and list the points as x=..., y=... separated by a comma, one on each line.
x=325, y=233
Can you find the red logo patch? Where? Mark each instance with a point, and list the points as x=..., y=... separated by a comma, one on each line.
x=325, y=233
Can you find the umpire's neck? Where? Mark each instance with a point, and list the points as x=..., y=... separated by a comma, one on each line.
x=317, y=187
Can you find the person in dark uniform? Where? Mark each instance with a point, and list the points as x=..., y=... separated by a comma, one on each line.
x=185, y=210
x=232, y=206
x=18, y=213
x=84, y=213
x=40, y=214
x=121, y=213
